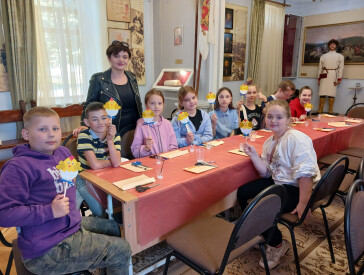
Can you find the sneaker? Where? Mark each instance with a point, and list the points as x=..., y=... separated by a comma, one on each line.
x=274, y=254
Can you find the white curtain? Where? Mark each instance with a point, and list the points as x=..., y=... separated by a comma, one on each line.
x=69, y=47
x=270, y=69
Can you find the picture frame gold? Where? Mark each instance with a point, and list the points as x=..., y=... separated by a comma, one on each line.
x=349, y=34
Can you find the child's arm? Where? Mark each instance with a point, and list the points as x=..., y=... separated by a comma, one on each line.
x=205, y=130
x=138, y=146
x=95, y=163
x=305, y=186
x=214, y=123
x=113, y=152
x=258, y=163
x=14, y=192
x=181, y=141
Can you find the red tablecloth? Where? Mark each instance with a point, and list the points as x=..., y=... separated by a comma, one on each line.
x=182, y=195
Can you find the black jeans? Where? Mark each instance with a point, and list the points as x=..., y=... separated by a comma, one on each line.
x=253, y=188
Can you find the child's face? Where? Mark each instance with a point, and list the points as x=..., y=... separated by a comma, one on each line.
x=189, y=102
x=224, y=99
x=251, y=94
x=44, y=134
x=305, y=96
x=155, y=103
x=98, y=121
x=276, y=119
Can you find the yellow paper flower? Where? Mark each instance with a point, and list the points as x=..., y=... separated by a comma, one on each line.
x=243, y=89
x=182, y=116
x=246, y=124
x=148, y=113
x=308, y=106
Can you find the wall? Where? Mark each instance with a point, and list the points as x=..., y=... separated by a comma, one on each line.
x=344, y=98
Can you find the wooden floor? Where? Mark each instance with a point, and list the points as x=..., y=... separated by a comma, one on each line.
x=9, y=234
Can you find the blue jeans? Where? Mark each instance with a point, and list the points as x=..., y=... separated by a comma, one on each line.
x=96, y=245
x=83, y=194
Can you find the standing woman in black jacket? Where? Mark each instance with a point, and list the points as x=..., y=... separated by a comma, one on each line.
x=118, y=84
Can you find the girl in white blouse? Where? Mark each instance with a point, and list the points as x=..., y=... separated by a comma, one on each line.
x=288, y=159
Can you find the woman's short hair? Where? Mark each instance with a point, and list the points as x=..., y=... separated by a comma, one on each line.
x=183, y=91
x=217, y=104
x=153, y=92
x=116, y=47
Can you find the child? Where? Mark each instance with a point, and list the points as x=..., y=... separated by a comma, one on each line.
x=157, y=138
x=288, y=159
x=199, y=124
x=286, y=90
x=249, y=110
x=52, y=238
x=298, y=111
x=98, y=147
x=224, y=118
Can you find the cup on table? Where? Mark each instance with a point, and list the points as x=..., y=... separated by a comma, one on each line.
x=241, y=147
x=192, y=148
x=208, y=145
x=159, y=169
x=200, y=154
x=158, y=159
x=253, y=135
x=306, y=123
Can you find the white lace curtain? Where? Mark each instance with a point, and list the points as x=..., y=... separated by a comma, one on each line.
x=69, y=47
x=270, y=69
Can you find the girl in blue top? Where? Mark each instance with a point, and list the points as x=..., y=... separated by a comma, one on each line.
x=199, y=121
x=224, y=119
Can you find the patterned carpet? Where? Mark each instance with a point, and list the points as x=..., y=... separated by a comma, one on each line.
x=311, y=242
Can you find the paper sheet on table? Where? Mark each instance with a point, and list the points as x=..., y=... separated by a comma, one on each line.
x=238, y=152
x=265, y=130
x=256, y=136
x=199, y=169
x=298, y=122
x=327, y=115
x=133, y=182
x=338, y=124
x=174, y=154
x=216, y=142
x=130, y=167
x=324, y=130
x=354, y=120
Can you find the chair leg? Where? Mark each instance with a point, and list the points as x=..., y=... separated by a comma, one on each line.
x=328, y=236
x=10, y=262
x=166, y=265
x=294, y=246
x=264, y=255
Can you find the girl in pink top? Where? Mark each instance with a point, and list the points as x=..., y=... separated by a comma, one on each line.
x=155, y=138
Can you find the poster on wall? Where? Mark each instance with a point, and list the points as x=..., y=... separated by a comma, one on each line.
x=119, y=35
x=351, y=42
x=235, y=43
x=178, y=36
x=137, y=29
x=118, y=10
x=4, y=82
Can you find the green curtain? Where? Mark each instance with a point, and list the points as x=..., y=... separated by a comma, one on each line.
x=20, y=44
x=256, y=34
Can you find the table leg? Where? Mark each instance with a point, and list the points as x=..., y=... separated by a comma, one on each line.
x=110, y=208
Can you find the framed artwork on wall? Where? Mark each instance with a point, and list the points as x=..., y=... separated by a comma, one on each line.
x=227, y=66
x=118, y=10
x=351, y=42
x=229, y=18
x=178, y=36
x=228, y=42
x=120, y=35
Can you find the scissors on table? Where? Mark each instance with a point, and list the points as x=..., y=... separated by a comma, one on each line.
x=141, y=189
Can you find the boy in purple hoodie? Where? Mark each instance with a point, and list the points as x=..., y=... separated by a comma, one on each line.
x=53, y=239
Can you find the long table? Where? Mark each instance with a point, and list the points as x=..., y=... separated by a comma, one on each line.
x=182, y=196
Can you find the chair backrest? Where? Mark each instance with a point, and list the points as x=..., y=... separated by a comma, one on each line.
x=126, y=140
x=360, y=171
x=69, y=111
x=325, y=190
x=356, y=110
x=261, y=214
x=19, y=265
x=71, y=144
x=354, y=224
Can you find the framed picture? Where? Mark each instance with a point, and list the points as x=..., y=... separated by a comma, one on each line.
x=120, y=35
x=228, y=42
x=227, y=66
x=229, y=18
x=351, y=42
x=118, y=10
x=178, y=36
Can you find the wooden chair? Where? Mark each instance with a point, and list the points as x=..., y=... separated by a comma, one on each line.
x=356, y=110
x=353, y=226
x=68, y=111
x=321, y=197
x=10, y=260
x=208, y=245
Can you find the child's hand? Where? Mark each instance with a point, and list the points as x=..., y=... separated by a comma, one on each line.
x=250, y=150
x=148, y=144
x=111, y=132
x=238, y=105
x=294, y=119
x=190, y=138
x=214, y=119
x=60, y=206
x=78, y=130
x=303, y=117
x=261, y=96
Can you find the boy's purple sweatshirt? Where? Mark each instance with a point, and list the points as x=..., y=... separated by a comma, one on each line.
x=28, y=185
